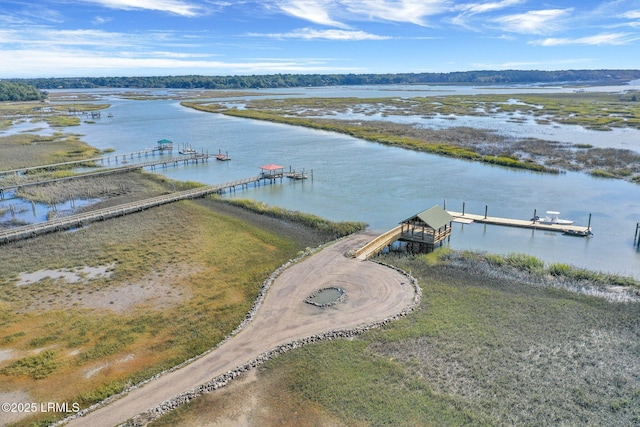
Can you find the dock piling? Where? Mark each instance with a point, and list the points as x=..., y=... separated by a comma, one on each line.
x=466, y=218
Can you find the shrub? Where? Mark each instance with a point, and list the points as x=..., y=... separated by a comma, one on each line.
x=559, y=269
x=38, y=366
x=524, y=262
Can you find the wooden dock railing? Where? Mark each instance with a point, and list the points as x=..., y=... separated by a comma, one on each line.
x=120, y=169
x=379, y=243
x=138, y=154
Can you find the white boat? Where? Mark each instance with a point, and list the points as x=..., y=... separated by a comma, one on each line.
x=552, y=217
x=186, y=149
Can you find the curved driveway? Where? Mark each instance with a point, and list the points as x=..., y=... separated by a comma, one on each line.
x=374, y=292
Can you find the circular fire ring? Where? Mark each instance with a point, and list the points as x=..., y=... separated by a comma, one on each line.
x=326, y=297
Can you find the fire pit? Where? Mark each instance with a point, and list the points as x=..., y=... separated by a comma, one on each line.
x=326, y=297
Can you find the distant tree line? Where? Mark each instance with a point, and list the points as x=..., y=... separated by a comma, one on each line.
x=315, y=80
x=11, y=91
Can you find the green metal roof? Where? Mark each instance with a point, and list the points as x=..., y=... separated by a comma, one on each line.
x=434, y=217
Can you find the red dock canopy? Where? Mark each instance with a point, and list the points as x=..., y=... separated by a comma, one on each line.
x=271, y=167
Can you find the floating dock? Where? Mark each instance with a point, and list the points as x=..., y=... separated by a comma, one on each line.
x=467, y=218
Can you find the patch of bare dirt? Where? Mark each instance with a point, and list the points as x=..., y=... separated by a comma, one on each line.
x=158, y=290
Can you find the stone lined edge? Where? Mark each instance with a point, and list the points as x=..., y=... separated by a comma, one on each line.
x=342, y=297
x=222, y=380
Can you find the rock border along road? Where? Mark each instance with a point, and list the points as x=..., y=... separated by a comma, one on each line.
x=375, y=294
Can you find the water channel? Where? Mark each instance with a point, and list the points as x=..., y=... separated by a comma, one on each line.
x=361, y=181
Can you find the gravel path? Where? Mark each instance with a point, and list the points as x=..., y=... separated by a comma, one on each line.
x=374, y=292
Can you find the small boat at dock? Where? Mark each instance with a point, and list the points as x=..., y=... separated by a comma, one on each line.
x=552, y=217
x=222, y=157
x=577, y=233
x=187, y=149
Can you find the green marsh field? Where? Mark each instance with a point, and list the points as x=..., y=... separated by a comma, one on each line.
x=496, y=341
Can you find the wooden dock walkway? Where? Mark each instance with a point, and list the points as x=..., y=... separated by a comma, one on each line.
x=175, y=161
x=379, y=243
x=467, y=218
x=123, y=157
x=73, y=221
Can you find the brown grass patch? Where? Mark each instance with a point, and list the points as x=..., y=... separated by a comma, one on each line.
x=185, y=275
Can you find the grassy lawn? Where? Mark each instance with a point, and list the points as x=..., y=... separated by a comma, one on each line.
x=480, y=350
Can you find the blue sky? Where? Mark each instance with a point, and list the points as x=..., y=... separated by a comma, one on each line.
x=65, y=38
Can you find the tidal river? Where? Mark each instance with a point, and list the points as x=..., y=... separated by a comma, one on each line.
x=363, y=181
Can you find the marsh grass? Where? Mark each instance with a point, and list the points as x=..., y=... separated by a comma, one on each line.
x=228, y=251
x=592, y=111
x=331, y=228
x=23, y=150
x=111, y=189
x=62, y=121
x=480, y=350
x=93, y=353
x=55, y=115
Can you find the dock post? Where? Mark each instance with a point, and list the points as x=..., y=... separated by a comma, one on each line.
x=535, y=213
x=486, y=208
x=462, y=208
x=444, y=204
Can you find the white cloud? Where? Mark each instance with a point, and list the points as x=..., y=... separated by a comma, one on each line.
x=474, y=8
x=337, y=13
x=632, y=14
x=467, y=18
x=58, y=63
x=597, y=40
x=311, y=34
x=316, y=11
x=410, y=11
x=55, y=38
x=176, y=7
x=533, y=22
x=99, y=20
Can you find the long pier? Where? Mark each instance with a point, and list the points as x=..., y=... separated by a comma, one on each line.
x=138, y=154
x=120, y=169
x=78, y=220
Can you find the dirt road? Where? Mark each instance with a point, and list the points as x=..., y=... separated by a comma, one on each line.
x=374, y=292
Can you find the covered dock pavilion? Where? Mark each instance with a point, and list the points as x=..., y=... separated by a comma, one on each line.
x=423, y=231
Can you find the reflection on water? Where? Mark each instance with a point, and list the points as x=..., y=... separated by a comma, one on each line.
x=361, y=181
x=16, y=212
